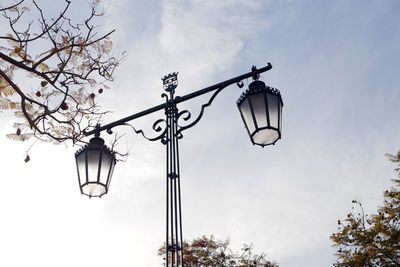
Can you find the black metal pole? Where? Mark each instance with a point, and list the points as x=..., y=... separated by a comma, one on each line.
x=168, y=137
x=174, y=249
x=179, y=194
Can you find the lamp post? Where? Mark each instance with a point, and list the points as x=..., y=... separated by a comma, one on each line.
x=260, y=108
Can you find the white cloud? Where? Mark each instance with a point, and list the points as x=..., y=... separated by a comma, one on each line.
x=285, y=199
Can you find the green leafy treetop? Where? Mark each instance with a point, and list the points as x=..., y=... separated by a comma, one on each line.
x=209, y=252
x=371, y=240
x=52, y=68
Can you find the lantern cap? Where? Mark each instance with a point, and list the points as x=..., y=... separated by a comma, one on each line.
x=255, y=87
x=95, y=142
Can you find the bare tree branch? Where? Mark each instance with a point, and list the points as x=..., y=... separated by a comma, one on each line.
x=66, y=63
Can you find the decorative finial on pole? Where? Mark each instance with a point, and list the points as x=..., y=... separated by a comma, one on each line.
x=170, y=82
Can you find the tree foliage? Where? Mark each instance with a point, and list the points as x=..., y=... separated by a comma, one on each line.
x=207, y=251
x=371, y=240
x=52, y=68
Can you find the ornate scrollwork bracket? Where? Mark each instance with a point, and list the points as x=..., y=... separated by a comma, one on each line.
x=186, y=115
x=159, y=126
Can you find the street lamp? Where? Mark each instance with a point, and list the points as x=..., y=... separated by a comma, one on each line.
x=95, y=164
x=261, y=110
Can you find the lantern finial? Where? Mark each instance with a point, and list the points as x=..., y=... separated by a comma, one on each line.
x=255, y=75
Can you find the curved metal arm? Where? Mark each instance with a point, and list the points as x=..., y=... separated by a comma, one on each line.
x=216, y=87
x=186, y=115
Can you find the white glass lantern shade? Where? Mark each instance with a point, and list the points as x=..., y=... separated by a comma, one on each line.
x=95, y=164
x=261, y=110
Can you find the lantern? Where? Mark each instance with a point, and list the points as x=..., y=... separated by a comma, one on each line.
x=95, y=164
x=261, y=109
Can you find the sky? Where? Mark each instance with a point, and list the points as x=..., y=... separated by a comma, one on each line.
x=336, y=65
